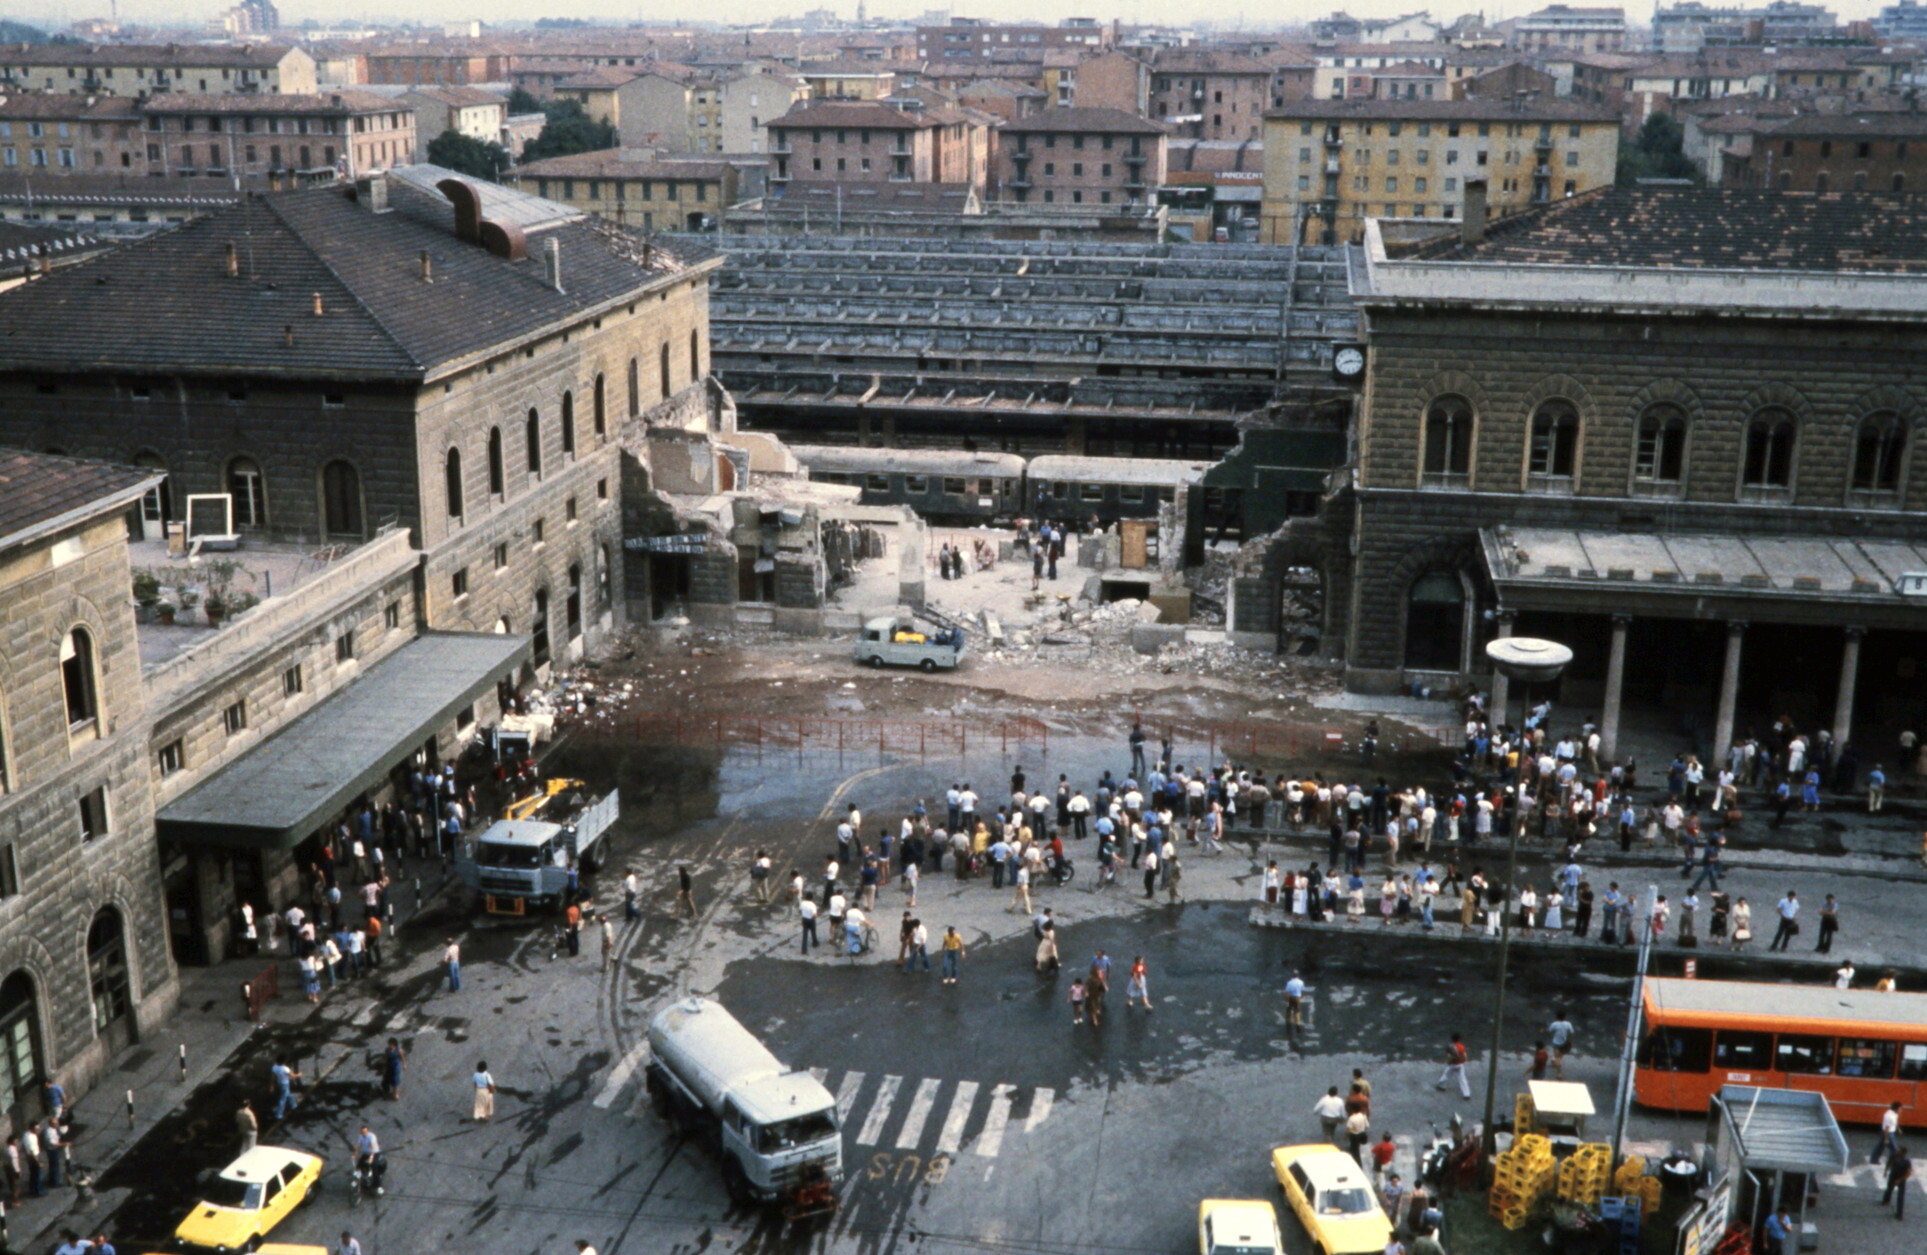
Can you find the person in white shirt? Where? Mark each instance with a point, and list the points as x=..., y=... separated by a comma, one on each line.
x=806, y=912
x=1330, y=1111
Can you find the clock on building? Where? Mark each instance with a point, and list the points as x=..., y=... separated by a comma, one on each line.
x=1348, y=362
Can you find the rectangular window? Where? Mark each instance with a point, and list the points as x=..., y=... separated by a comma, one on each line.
x=9, y=872
x=93, y=813
x=568, y=508
x=877, y=483
x=1738, y=1051
x=1913, y=1061
x=1866, y=1058
x=391, y=617
x=235, y=718
x=1091, y=492
x=501, y=555
x=1130, y=492
x=458, y=583
x=170, y=758
x=291, y=681
x=916, y=483
x=953, y=486
x=345, y=643
x=1799, y=1053
x=538, y=532
x=602, y=490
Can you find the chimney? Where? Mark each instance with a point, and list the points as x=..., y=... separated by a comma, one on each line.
x=318, y=310
x=1472, y=226
x=428, y=268
x=233, y=261
x=378, y=193
x=287, y=336
x=552, y=256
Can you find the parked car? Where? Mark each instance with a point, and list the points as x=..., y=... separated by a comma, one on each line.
x=897, y=640
x=1241, y=1226
x=1333, y=1199
x=249, y=1198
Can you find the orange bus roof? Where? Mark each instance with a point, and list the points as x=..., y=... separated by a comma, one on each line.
x=1790, y=1008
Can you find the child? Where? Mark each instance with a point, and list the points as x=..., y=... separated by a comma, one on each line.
x=1077, y=1001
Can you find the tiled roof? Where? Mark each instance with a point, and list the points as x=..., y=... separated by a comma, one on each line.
x=233, y=56
x=278, y=102
x=854, y=113
x=459, y=97
x=844, y=67
x=38, y=488
x=1205, y=61
x=601, y=77
x=611, y=163
x=115, y=189
x=1472, y=109
x=1715, y=228
x=167, y=303
x=1069, y=120
x=1852, y=126
x=51, y=106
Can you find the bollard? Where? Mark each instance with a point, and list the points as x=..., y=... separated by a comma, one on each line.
x=418, y=895
x=130, y=1108
x=183, y=1063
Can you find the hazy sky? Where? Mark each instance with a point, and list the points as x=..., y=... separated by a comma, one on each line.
x=56, y=13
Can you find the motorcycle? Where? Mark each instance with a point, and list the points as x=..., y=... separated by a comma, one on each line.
x=1438, y=1151
x=1062, y=871
x=365, y=1178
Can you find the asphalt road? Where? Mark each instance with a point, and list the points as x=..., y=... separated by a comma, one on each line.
x=977, y=1117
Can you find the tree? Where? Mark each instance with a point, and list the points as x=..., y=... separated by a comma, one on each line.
x=521, y=102
x=569, y=130
x=465, y=154
x=1658, y=153
x=20, y=33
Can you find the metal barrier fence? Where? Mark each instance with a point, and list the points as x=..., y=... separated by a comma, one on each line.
x=922, y=738
x=255, y=993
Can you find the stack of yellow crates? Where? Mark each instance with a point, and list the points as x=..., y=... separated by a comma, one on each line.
x=1583, y=1175
x=1521, y=1179
x=1631, y=1179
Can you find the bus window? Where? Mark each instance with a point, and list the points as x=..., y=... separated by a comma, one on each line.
x=1743, y=1052
x=877, y=483
x=953, y=486
x=1866, y=1058
x=1913, y=1061
x=1677, y=1049
x=1799, y=1053
x=918, y=484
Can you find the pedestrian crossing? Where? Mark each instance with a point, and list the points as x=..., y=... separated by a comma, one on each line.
x=933, y=1115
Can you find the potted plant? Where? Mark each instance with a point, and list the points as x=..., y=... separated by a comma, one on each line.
x=220, y=574
x=166, y=610
x=147, y=590
x=189, y=598
x=240, y=603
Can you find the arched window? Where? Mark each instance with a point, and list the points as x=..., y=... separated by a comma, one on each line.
x=1659, y=453
x=635, y=389
x=495, y=476
x=1435, y=622
x=340, y=499
x=20, y=1074
x=573, y=608
x=1555, y=439
x=695, y=357
x=1877, y=450
x=109, y=979
x=662, y=361
x=1448, y=436
x=78, y=679
x=453, y=482
x=158, y=505
x=249, y=491
x=539, y=628
x=1785, y=179
x=1820, y=181
x=532, y=440
x=601, y=415
x=568, y=424
x=1769, y=450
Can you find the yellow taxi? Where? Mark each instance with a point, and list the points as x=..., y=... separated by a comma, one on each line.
x=250, y=1196
x=1333, y=1198
x=1238, y=1226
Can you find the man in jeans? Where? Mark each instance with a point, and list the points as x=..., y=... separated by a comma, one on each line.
x=1889, y=1133
x=1789, y=909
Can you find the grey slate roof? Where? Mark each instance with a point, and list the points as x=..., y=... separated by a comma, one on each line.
x=279, y=792
x=167, y=303
x=39, y=490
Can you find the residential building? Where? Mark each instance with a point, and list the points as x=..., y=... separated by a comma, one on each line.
x=634, y=188
x=428, y=376
x=1691, y=25
x=251, y=17
x=1205, y=94
x=847, y=80
x=605, y=90
x=471, y=111
x=1642, y=86
x=1706, y=490
x=422, y=65
x=1410, y=80
x=680, y=109
x=42, y=133
x=970, y=39
x=1515, y=81
x=1008, y=101
x=1341, y=27
x=1570, y=28
x=1904, y=19
x=860, y=142
x=1346, y=72
x=1081, y=156
x=122, y=204
x=1332, y=164
x=341, y=134
x=1814, y=152
x=143, y=69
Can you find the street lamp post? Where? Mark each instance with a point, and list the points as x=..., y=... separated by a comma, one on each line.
x=1528, y=660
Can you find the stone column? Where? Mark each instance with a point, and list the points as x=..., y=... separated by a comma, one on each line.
x=1501, y=682
x=1849, y=675
x=1729, y=692
x=1615, y=682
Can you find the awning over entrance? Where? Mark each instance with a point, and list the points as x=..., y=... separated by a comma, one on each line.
x=285, y=788
x=1781, y=1129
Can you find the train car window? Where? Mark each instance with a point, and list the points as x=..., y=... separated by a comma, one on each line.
x=1743, y=1052
x=1007, y=486
x=1166, y=494
x=1091, y=492
x=953, y=485
x=916, y=483
x=1059, y=491
x=1913, y=1061
x=1865, y=1057
x=1130, y=492
x=1797, y=1052
x=1677, y=1049
x=877, y=483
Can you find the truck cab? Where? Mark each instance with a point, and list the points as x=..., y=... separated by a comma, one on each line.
x=897, y=640
x=520, y=862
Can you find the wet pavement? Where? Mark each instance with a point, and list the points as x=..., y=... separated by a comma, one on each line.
x=976, y=1115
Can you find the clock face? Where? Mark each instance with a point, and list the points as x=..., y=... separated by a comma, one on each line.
x=1349, y=361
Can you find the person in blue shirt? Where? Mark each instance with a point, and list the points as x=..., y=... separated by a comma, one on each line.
x=56, y=1101
x=1781, y=1233
x=284, y=1079
x=1876, y=789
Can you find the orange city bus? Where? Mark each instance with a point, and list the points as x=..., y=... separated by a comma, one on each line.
x=1862, y=1049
